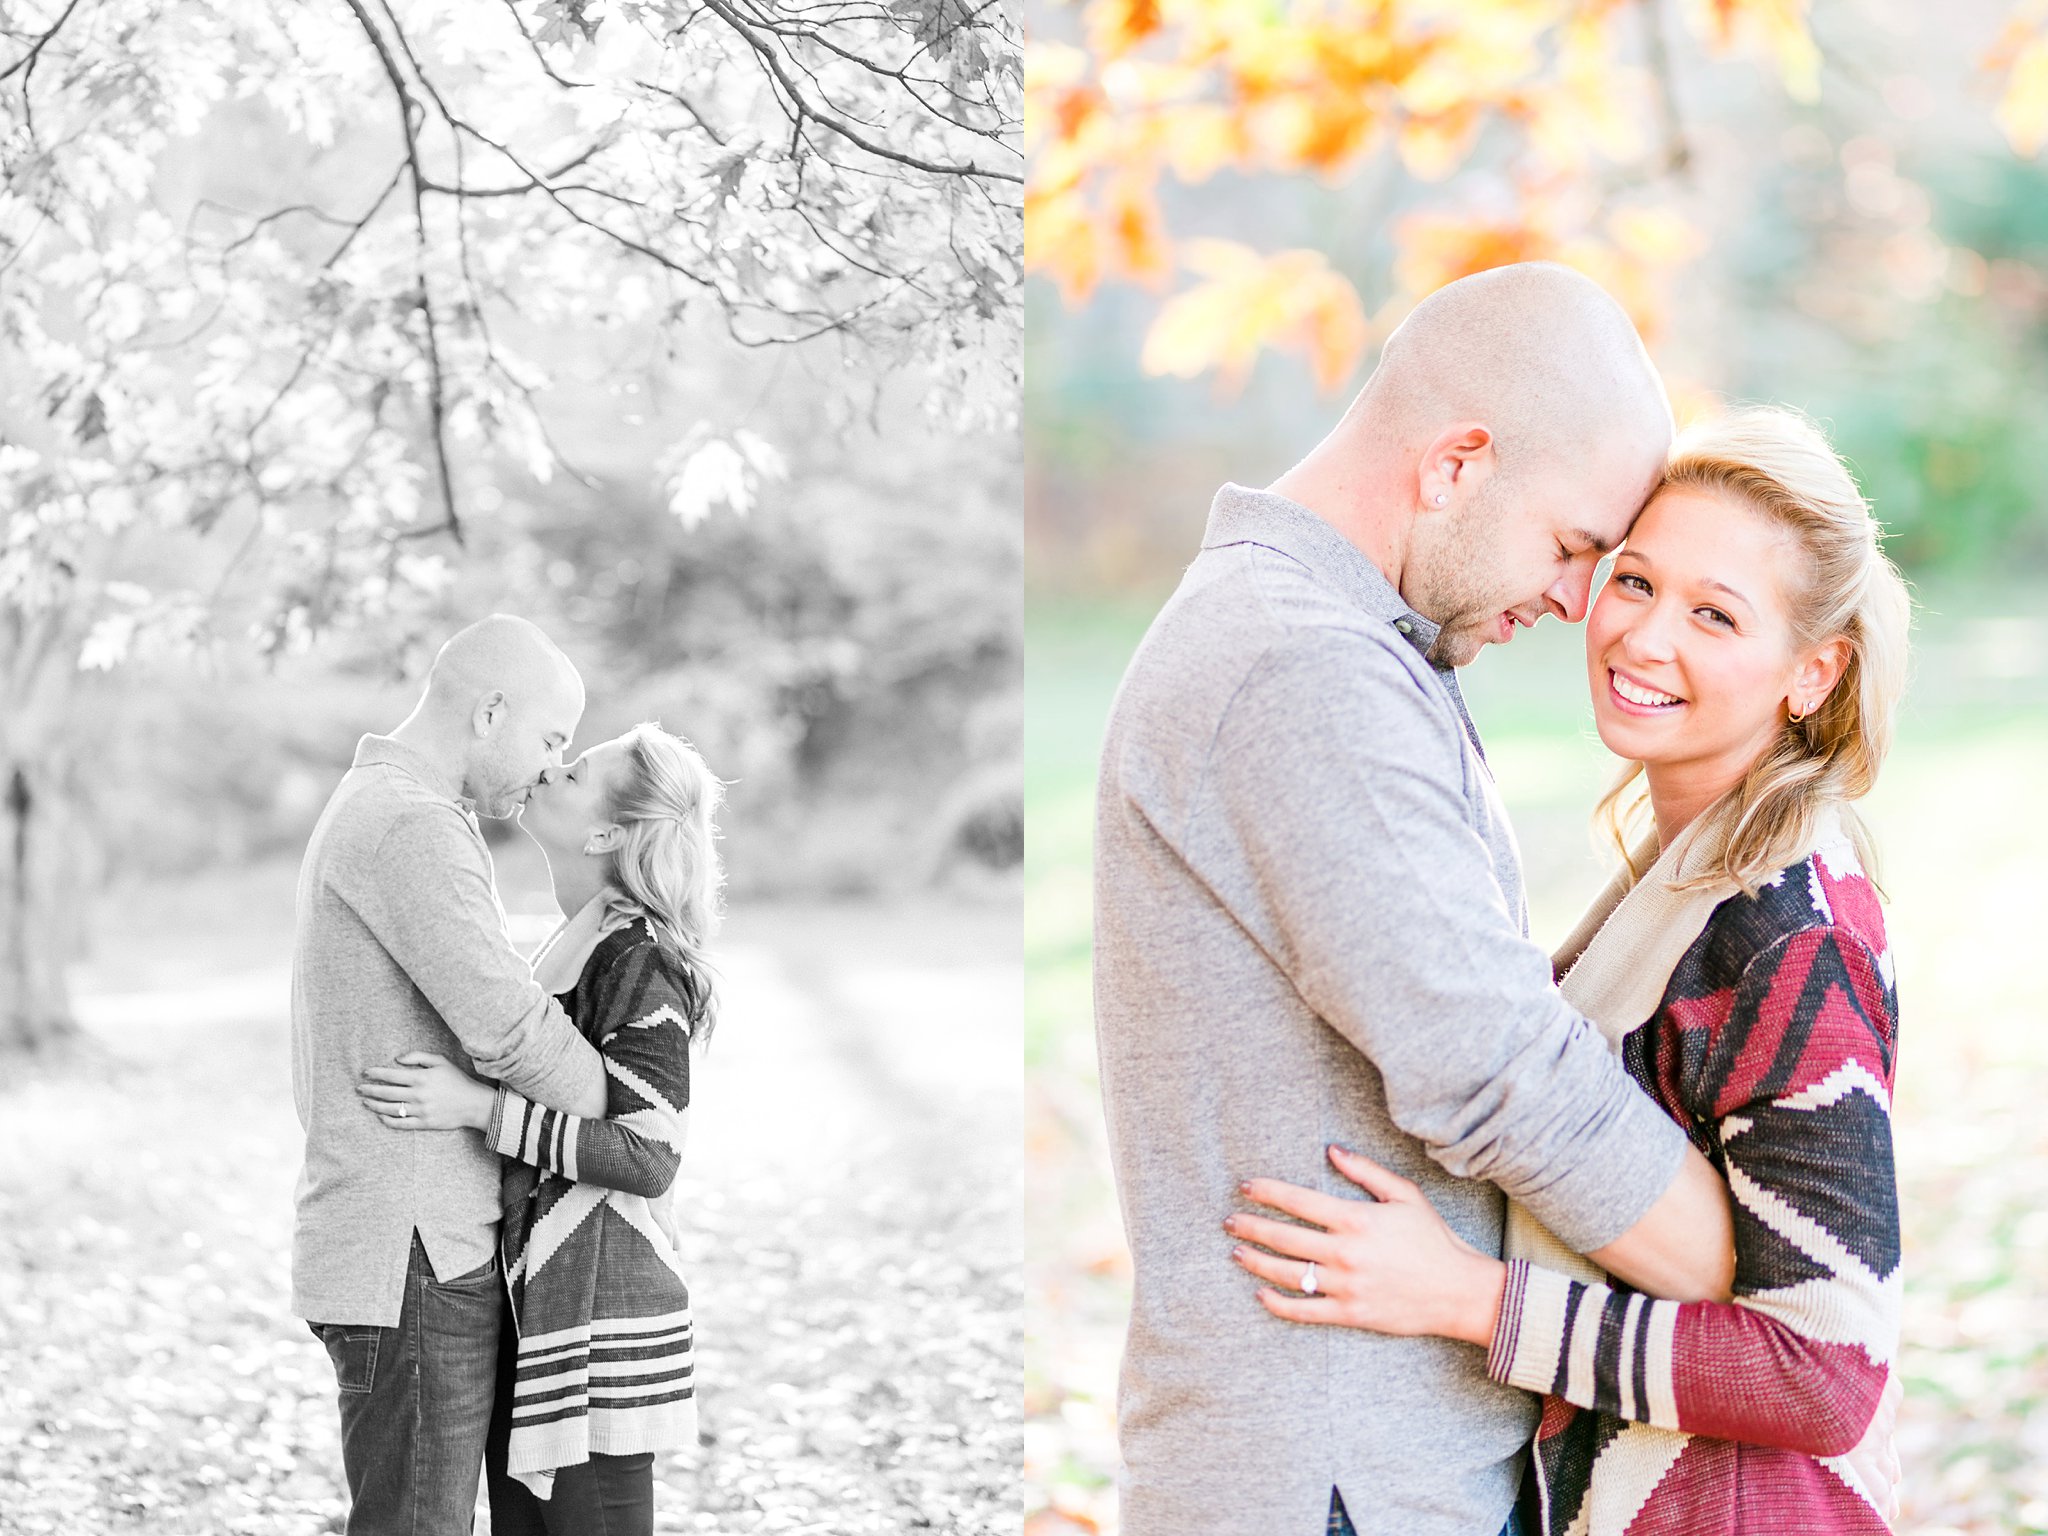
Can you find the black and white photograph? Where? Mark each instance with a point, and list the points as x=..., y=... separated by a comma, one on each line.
x=511, y=789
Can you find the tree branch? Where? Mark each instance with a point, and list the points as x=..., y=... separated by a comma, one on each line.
x=804, y=109
x=437, y=407
x=28, y=60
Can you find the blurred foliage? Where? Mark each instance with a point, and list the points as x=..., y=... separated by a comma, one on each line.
x=688, y=331
x=1564, y=100
x=1836, y=209
x=272, y=270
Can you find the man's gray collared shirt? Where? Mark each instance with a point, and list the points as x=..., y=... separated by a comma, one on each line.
x=1310, y=928
x=402, y=946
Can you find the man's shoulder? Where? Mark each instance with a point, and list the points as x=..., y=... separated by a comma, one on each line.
x=1246, y=610
x=378, y=809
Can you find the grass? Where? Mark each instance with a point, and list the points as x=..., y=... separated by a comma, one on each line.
x=1964, y=855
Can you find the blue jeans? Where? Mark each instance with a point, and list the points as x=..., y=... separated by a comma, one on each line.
x=416, y=1403
x=604, y=1496
x=1340, y=1522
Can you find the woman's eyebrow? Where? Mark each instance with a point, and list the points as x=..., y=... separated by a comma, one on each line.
x=1722, y=586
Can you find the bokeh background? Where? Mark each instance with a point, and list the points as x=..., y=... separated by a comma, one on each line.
x=328, y=329
x=1833, y=206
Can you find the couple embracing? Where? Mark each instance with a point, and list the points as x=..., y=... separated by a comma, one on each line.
x=483, y=1239
x=1435, y=1234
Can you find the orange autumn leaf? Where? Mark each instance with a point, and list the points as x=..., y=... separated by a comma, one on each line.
x=1115, y=27
x=1138, y=234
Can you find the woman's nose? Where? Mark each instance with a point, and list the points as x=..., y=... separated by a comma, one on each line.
x=1648, y=638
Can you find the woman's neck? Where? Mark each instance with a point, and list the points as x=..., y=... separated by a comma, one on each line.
x=576, y=886
x=1680, y=792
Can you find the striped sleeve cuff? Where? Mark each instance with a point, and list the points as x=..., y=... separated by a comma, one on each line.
x=507, y=1130
x=534, y=1134
x=1534, y=1330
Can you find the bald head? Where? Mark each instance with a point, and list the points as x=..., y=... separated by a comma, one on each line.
x=1509, y=436
x=1541, y=354
x=507, y=700
x=503, y=654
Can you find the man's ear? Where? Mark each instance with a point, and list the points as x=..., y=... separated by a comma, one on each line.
x=1457, y=462
x=489, y=713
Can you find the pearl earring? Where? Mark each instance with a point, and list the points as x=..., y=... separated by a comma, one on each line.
x=1441, y=498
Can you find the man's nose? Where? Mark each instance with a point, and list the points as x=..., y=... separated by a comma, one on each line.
x=1569, y=596
x=548, y=772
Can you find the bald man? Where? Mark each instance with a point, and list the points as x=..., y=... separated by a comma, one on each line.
x=1310, y=925
x=402, y=946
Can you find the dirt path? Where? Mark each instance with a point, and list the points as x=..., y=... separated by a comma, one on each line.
x=853, y=1238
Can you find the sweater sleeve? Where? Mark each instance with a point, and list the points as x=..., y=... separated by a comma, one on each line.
x=1794, y=1079
x=1333, y=825
x=644, y=1038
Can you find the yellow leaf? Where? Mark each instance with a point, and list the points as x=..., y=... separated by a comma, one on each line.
x=1433, y=147
x=1779, y=28
x=1248, y=303
x=1061, y=241
x=2023, y=111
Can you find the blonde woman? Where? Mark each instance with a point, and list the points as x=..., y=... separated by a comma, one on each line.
x=1746, y=658
x=595, y=1358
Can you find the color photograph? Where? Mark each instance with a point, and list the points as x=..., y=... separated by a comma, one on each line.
x=1535, y=570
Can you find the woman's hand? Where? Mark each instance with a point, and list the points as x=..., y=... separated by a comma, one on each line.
x=1876, y=1457
x=1389, y=1264
x=425, y=1092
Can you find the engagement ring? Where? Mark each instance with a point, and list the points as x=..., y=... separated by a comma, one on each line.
x=402, y=1114
x=1308, y=1279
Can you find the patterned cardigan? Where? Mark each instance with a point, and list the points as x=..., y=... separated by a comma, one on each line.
x=605, y=1337
x=1774, y=1045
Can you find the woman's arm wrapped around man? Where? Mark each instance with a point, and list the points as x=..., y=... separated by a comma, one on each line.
x=645, y=1017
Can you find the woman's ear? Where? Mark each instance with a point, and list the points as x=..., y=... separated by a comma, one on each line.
x=1816, y=676
x=603, y=840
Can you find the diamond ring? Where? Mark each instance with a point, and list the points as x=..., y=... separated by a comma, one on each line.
x=1308, y=1279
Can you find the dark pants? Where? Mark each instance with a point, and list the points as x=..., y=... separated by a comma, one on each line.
x=416, y=1403
x=1340, y=1522
x=604, y=1496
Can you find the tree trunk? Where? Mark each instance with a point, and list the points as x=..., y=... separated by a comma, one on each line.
x=38, y=892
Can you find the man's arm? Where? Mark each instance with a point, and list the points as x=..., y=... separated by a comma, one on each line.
x=1683, y=1247
x=427, y=898
x=1335, y=785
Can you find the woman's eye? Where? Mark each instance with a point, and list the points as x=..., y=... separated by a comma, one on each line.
x=1634, y=582
x=1716, y=616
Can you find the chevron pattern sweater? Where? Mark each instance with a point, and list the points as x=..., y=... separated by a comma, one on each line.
x=1774, y=1046
x=605, y=1335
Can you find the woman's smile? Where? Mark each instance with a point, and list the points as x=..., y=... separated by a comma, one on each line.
x=1636, y=697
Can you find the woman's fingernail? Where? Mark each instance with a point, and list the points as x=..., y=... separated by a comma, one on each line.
x=1230, y=1224
x=1244, y=1186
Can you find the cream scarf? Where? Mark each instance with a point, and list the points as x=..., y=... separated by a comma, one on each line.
x=558, y=963
x=1615, y=967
